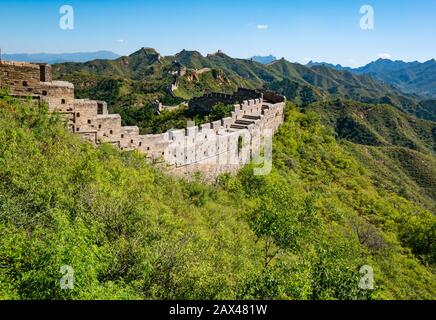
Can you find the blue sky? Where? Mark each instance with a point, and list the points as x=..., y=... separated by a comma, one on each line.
x=299, y=30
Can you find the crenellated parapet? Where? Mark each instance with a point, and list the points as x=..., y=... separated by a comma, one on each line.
x=211, y=148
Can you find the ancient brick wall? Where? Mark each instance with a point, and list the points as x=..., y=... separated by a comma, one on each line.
x=205, y=103
x=212, y=148
x=20, y=78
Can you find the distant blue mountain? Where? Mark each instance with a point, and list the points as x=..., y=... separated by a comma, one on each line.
x=329, y=65
x=53, y=58
x=264, y=59
x=411, y=77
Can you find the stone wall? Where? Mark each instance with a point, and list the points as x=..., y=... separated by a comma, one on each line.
x=204, y=104
x=212, y=148
x=23, y=78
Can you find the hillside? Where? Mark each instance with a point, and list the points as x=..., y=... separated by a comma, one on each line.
x=131, y=232
x=264, y=59
x=329, y=65
x=377, y=125
x=412, y=77
x=145, y=75
x=398, y=149
x=338, y=83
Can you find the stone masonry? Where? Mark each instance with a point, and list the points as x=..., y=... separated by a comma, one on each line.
x=213, y=148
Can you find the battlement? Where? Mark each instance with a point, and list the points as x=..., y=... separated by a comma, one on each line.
x=204, y=104
x=18, y=64
x=60, y=84
x=212, y=148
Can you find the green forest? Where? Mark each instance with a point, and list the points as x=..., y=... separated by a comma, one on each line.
x=129, y=231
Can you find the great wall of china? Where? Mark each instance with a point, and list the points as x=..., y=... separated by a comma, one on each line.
x=213, y=148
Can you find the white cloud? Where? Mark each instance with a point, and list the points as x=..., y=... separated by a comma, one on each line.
x=349, y=63
x=384, y=55
x=120, y=40
x=262, y=26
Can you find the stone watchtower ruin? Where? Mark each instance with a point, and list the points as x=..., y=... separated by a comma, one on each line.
x=204, y=148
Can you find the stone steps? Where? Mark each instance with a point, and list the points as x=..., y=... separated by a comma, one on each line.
x=240, y=127
x=251, y=117
x=244, y=122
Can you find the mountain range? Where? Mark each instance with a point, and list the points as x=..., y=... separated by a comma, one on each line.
x=60, y=57
x=411, y=77
x=415, y=78
x=264, y=59
x=145, y=75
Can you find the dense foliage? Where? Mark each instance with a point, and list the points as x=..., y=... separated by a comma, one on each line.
x=131, y=232
x=397, y=149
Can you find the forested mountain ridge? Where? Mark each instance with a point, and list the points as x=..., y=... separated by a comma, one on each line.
x=131, y=232
x=411, y=77
x=145, y=75
x=377, y=124
x=399, y=150
x=264, y=59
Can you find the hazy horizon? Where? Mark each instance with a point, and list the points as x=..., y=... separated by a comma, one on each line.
x=204, y=54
